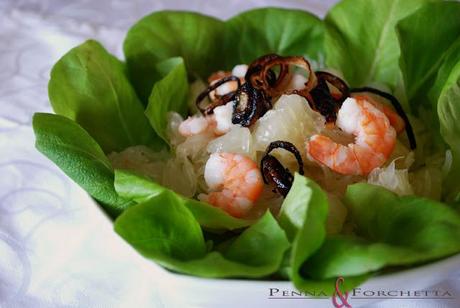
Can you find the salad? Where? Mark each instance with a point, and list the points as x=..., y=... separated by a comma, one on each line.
x=274, y=145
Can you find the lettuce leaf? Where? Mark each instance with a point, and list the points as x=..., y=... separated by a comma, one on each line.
x=409, y=221
x=361, y=39
x=162, y=226
x=449, y=118
x=89, y=86
x=171, y=236
x=392, y=230
x=71, y=148
x=140, y=189
x=168, y=94
x=303, y=216
x=433, y=28
x=272, y=30
x=162, y=35
x=207, y=44
x=451, y=58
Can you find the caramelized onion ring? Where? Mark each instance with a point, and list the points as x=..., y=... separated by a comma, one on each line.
x=257, y=79
x=250, y=104
x=323, y=102
x=312, y=80
x=222, y=100
x=260, y=74
x=336, y=82
x=273, y=171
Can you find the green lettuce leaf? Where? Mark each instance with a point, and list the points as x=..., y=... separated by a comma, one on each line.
x=168, y=94
x=162, y=226
x=361, y=39
x=89, y=86
x=254, y=33
x=449, y=118
x=140, y=189
x=165, y=230
x=73, y=150
x=166, y=34
x=303, y=216
x=433, y=29
x=207, y=44
x=451, y=58
x=394, y=231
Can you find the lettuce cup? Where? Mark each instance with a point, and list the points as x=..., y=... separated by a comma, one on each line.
x=273, y=145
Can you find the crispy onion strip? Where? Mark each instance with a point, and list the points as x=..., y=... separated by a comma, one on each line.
x=273, y=171
x=322, y=98
x=286, y=145
x=221, y=100
x=249, y=105
x=323, y=102
x=336, y=82
x=258, y=79
x=260, y=75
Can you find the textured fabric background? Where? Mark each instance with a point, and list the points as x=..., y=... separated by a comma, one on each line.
x=55, y=248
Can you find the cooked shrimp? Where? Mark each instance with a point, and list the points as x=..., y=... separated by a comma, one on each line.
x=218, y=123
x=375, y=139
x=395, y=120
x=195, y=125
x=235, y=183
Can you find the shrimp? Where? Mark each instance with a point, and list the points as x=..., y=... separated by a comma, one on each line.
x=218, y=123
x=375, y=139
x=395, y=120
x=235, y=183
x=195, y=125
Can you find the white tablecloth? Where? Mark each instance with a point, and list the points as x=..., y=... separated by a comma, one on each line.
x=55, y=248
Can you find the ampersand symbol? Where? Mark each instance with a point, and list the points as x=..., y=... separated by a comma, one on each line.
x=343, y=297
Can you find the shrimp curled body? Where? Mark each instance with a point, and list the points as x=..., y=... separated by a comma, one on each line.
x=218, y=123
x=395, y=120
x=375, y=139
x=235, y=183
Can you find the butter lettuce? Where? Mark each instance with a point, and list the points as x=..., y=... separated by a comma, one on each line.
x=207, y=44
x=272, y=30
x=303, y=215
x=171, y=236
x=451, y=58
x=430, y=63
x=449, y=118
x=391, y=231
x=433, y=29
x=70, y=147
x=361, y=40
x=168, y=94
x=89, y=85
x=163, y=35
